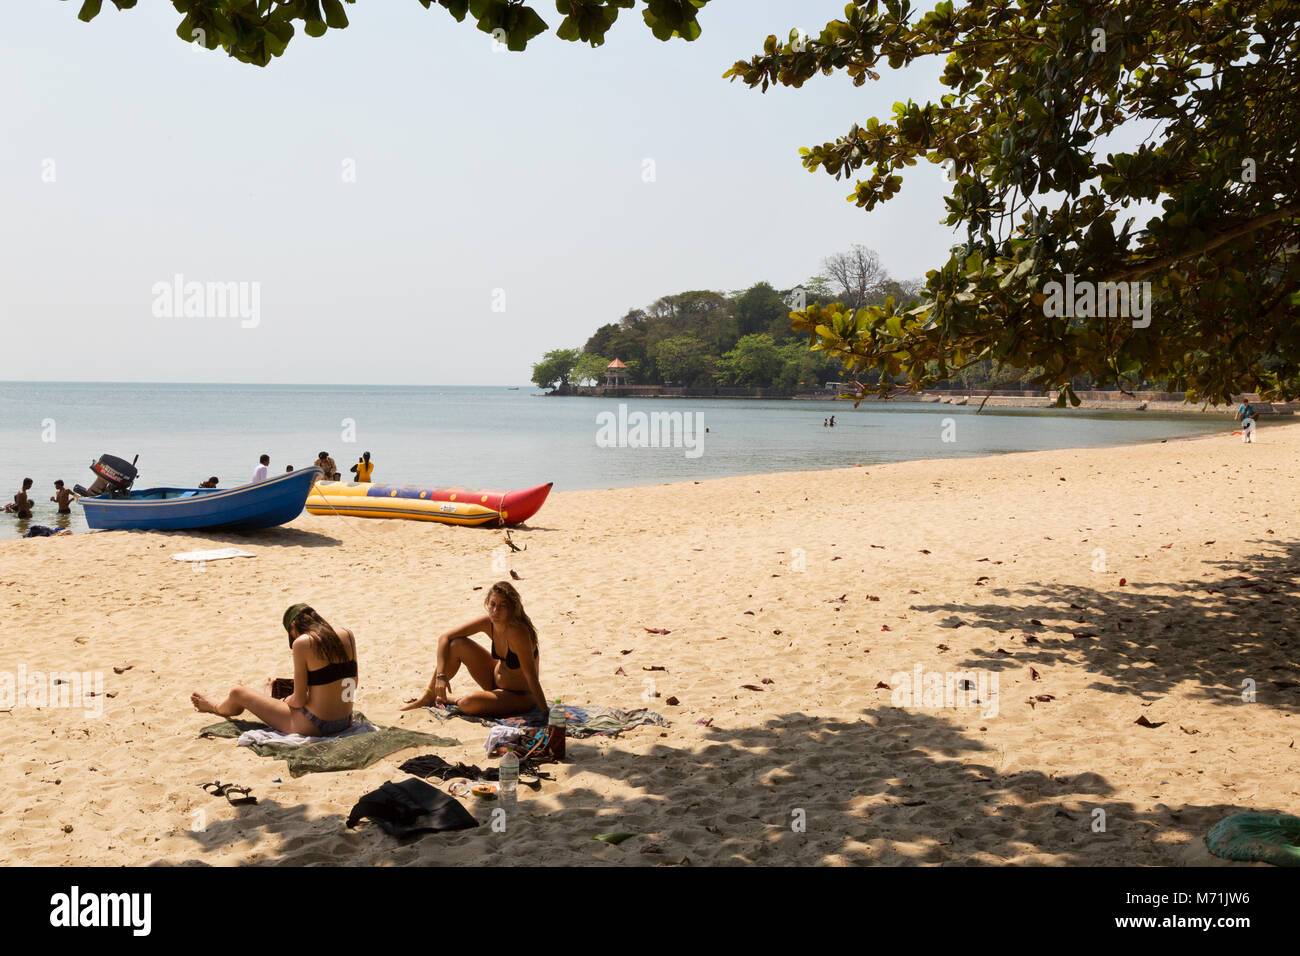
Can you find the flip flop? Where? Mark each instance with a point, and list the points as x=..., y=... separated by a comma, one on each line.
x=237, y=801
x=226, y=790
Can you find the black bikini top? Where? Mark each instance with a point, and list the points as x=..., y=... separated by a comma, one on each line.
x=511, y=658
x=332, y=672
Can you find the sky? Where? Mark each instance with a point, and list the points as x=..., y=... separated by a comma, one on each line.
x=398, y=203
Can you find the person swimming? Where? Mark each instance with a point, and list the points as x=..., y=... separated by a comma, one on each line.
x=324, y=677
x=210, y=483
x=508, y=674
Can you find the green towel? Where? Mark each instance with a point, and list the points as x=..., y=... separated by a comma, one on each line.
x=1256, y=838
x=334, y=753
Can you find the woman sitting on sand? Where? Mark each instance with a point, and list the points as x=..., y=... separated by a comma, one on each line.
x=324, y=677
x=508, y=675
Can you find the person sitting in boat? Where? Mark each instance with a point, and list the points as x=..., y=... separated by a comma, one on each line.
x=63, y=497
x=507, y=674
x=363, y=469
x=210, y=483
x=324, y=681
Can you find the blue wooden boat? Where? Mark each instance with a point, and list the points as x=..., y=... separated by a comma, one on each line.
x=263, y=504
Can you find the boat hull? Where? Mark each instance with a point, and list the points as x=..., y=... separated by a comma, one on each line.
x=263, y=504
x=421, y=503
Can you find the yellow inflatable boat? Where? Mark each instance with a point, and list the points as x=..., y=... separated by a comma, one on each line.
x=448, y=505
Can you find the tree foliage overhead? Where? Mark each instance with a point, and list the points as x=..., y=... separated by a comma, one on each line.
x=255, y=31
x=1035, y=87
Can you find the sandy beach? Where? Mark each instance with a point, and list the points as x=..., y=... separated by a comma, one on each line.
x=1084, y=590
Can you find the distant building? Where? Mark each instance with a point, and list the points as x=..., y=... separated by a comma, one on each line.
x=616, y=373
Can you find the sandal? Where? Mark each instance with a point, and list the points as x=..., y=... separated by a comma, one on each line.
x=219, y=789
x=239, y=801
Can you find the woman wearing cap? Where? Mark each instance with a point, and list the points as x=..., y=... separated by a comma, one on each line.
x=324, y=681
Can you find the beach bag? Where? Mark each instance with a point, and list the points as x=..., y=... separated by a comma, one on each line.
x=536, y=747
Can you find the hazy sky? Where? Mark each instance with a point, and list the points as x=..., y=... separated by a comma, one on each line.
x=481, y=180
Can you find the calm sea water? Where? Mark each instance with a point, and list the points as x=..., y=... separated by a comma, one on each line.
x=488, y=437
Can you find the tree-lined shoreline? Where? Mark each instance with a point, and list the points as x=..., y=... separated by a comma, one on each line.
x=743, y=339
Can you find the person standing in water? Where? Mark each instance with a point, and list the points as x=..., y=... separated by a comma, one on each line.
x=259, y=473
x=22, y=505
x=326, y=464
x=364, y=468
x=63, y=497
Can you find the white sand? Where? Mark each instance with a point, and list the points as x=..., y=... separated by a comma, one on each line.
x=1185, y=523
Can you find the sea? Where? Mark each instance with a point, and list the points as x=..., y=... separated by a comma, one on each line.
x=497, y=437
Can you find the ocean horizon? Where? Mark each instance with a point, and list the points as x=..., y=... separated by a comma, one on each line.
x=498, y=437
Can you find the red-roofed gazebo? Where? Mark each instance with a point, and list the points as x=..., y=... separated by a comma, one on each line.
x=616, y=373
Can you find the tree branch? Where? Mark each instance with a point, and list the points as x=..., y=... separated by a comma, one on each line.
x=1235, y=233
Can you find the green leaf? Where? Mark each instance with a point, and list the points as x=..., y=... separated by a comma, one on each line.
x=89, y=10
x=457, y=8
x=334, y=15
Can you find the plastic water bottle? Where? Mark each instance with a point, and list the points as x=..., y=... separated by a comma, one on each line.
x=508, y=775
x=556, y=721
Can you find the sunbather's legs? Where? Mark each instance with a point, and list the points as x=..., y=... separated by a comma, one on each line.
x=451, y=654
x=495, y=703
x=274, y=713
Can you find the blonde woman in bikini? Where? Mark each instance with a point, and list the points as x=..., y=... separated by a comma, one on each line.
x=507, y=674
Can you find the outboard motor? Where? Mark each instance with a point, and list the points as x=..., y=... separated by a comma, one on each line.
x=114, y=476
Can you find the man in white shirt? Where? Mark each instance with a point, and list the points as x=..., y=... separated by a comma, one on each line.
x=260, y=473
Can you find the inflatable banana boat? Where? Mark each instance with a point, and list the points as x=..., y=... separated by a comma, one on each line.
x=449, y=505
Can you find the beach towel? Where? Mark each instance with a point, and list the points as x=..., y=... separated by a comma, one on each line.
x=580, y=721
x=1256, y=838
x=216, y=554
x=266, y=735
x=328, y=754
x=411, y=807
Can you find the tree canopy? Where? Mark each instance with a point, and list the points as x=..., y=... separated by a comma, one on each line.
x=703, y=338
x=1038, y=90
x=255, y=31
x=556, y=368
